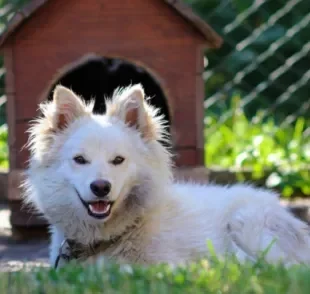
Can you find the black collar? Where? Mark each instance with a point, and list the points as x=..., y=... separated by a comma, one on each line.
x=70, y=250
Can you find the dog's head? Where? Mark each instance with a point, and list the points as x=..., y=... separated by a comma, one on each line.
x=93, y=168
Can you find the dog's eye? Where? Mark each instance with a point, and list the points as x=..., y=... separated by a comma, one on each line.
x=118, y=160
x=80, y=159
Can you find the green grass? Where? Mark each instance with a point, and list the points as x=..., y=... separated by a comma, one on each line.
x=261, y=144
x=200, y=277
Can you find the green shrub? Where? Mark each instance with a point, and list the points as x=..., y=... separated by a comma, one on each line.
x=4, y=154
x=260, y=144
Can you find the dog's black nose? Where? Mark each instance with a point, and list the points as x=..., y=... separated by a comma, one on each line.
x=100, y=188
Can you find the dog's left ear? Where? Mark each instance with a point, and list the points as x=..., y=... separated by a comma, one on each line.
x=130, y=106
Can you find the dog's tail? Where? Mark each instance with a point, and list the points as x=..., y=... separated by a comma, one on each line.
x=274, y=235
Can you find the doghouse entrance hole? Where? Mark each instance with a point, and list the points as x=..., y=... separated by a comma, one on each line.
x=98, y=78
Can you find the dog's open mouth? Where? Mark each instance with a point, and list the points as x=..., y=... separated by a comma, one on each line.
x=98, y=209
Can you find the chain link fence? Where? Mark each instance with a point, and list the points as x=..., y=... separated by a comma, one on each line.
x=266, y=57
x=257, y=105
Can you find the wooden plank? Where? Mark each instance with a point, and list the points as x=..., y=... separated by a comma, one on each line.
x=15, y=178
x=10, y=105
x=9, y=67
x=3, y=186
x=197, y=174
x=186, y=157
x=22, y=217
x=199, y=112
x=21, y=152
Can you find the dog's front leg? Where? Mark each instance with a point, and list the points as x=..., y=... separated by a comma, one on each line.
x=57, y=238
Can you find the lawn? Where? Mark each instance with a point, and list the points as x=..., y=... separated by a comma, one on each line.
x=200, y=277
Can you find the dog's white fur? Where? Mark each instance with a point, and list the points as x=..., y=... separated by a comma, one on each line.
x=158, y=219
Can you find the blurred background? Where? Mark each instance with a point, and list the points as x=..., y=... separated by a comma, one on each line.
x=257, y=92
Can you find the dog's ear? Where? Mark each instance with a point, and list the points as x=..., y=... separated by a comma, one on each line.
x=130, y=106
x=133, y=107
x=67, y=107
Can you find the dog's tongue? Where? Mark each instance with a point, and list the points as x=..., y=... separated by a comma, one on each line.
x=99, y=207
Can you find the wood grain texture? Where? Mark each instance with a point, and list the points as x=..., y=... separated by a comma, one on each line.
x=212, y=39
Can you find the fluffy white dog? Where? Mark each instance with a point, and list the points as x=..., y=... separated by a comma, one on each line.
x=104, y=183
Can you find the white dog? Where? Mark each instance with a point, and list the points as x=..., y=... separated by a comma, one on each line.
x=104, y=183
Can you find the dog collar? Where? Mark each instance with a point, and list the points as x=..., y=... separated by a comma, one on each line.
x=70, y=250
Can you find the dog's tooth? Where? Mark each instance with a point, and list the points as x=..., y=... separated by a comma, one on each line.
x=107, y=208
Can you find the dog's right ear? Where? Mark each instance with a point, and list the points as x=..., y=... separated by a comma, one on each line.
x=67, y=107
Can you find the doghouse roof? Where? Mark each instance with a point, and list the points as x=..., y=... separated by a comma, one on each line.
x=213, y=40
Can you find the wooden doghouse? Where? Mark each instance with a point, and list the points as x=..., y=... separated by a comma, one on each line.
x=94, y=46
